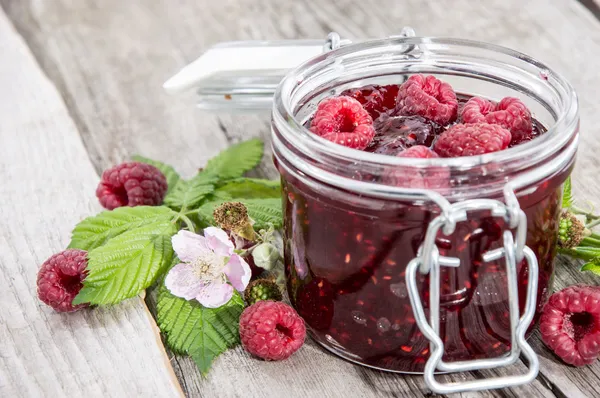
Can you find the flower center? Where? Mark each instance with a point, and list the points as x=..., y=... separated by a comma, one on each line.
x=209, y=267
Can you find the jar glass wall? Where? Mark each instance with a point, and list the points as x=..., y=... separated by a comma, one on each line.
x=350, y=231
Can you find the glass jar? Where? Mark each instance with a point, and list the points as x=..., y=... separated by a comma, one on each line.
x=351, y=231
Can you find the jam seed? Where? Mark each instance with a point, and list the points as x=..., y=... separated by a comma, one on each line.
x=496, y=345
x=374, y=279
x=425, y=351
x=390, y=262
x=387, y=278
x=347, y=259
x=406, y=348
x=370, y=341
x=359, y=237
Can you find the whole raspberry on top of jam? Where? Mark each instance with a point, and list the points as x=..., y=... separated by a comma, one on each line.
x=419, y=151
x=271, y=330
x=428, y=97
x=131, y=184
x=570, y=324
x=472, y=139
x=426, y=178
x=344, y=121
x=375, y=99
x=510, y=113
x=60, y=279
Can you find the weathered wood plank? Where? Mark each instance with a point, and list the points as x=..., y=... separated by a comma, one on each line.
x=110, y=58
x=47, y=186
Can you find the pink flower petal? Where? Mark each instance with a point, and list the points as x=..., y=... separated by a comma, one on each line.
x=218, y=241
x=189, y=246
x=183, y=282
x=238, y=272
x=215, y=295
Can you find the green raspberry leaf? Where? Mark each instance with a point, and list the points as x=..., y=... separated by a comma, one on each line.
x=170, y=174
x=593, y=266
x=249, y=188
x=234, y=161
x=201, y=332
x=189, y=194
x=263, y=211
x=128, y=263
x=95, y=231
x=567, y=201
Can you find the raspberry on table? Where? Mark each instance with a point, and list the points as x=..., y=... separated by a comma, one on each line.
x=429, y=97
x=510, y=113
x=472, y=139
x=60, y=279
x=131, y=184
x=570, y=324
x=344, y=121
x=271, y=330
x=375, y=99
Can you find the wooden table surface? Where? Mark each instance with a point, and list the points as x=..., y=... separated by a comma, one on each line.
x=80, y=90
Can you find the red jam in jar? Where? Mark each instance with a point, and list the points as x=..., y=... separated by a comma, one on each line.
x=350, y=233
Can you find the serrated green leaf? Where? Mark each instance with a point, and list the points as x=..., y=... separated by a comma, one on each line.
x=250, y=188
x=234, y=161
x=593, y=266
x=95, y=231
x=128, y=263
x=262, y=211
x=203, y=333
x=567, y=200
x=189, y=194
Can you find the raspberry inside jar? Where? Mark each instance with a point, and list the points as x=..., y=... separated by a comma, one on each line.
x=354, y=219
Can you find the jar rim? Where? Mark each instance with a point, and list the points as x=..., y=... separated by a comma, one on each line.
x=557, y=137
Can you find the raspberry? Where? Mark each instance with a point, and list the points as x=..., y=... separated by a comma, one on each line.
x=428, y=97
x=426, y=178
x=375, y=99
x=396, y=133
x=570, y=324
x=262, y=289
x=60, y=279
x=510, y=113
x=344, y=121
x=131, y=184
x=419, y=151
x=271, y=330
x=472, y=139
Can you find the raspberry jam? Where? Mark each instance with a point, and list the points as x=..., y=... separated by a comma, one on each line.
x=346, y=276
x=354, y=219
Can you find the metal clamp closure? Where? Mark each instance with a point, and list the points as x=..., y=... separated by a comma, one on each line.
x=429, y=261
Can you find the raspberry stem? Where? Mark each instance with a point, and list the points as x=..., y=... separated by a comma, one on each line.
x=582, y=253
x=189, y=224
x=587, y=214
x=592, y=224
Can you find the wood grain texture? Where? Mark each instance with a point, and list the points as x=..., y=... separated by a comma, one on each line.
x=47, y=186
x=109, y=59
